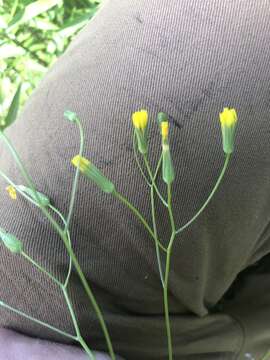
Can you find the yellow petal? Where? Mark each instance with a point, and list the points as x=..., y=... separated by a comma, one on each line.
x=228, y=117
x=164, y=129
x=140, y=119
x=12, y=192
x=81, y=162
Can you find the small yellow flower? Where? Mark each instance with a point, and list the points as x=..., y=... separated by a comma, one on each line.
x=90, y=171
x=228, y=117
x=164, y=129
x=81, y=162
x=140, y=119
x=12, y=192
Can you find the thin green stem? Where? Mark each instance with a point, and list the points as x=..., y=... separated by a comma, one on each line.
x=5, y=177
x=138, y=214
x=153, y=180
x=53, y=278
x=37, y=321
x=76, y=178
x=209, y=197
x=75, y=323
x=72, y=198
x=170, y=211
x=166, y=303
x=158, y=166
x=137, y=160
x=167, y=272
x=156, y=236
x=91, y=297
x=69, y=240
x=65, y=240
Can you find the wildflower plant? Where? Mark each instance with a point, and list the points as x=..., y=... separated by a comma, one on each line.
x=83, y=166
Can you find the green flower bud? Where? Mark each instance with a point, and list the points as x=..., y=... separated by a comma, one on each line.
x=228, y=121
x=43, y=198
x=11, y=242
x=70, y=115
x=92, y=172
x=167, y=165
x=162, y=117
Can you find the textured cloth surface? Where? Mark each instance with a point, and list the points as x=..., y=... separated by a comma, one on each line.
x=189, y=58
x=16, y=346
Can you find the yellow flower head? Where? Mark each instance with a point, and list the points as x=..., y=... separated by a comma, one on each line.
x=81, y=162
x=228, y=117
x=164, y=129
x=140, y=119
x=12, y=192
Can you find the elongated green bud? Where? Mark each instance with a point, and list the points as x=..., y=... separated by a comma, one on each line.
x=167, y=165
x=92, y=172
x=228, y=120
x=44, y=199
x=11, y=242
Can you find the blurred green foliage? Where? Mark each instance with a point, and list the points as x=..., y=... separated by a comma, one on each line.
x=32, y=35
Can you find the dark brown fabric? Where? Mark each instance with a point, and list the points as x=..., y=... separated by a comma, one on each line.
x=190, y=59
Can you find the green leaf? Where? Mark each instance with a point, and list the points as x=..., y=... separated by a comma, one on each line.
x=13, y=110
x=32, y=10
x=71, y=26
x=11, y=242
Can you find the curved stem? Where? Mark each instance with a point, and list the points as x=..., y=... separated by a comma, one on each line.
x=72, y=198
x=138, y=214
x=75, y=323
x=153, y=180
x=76, y=178
x=209, y=197
x=37, y=321
x=65, y=240
x=69, y=240
x=53, y=278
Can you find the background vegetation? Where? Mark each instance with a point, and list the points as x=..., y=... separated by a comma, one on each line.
x=32, y=35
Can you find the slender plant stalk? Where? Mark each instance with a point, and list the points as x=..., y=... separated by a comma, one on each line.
x=154, y=218
x=209, y=197
x=70, y=307
x=52, y=277
x=167, y=273
x=153, y=180
x=75, y=323
x=156, y=236
x=174, y=233
x=72, y=198
x=137, y=160
x=3, y=304
x=65, y=240
x=138, y=214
